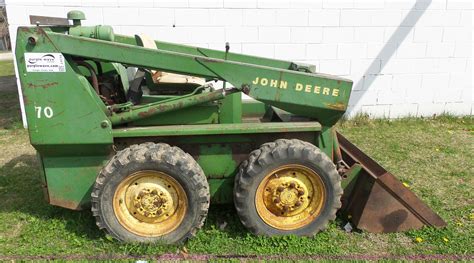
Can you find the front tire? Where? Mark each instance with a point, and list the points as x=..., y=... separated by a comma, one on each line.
x=287, y=187
x=151, y=193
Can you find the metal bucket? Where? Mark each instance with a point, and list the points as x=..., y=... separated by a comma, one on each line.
x=376, y=201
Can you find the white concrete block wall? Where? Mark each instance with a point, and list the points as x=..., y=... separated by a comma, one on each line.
x=406, y=57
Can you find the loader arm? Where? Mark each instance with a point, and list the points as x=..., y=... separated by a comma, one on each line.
x=318, y=96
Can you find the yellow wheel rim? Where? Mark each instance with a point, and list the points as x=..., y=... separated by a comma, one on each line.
x=150, y=203
x=290, y=197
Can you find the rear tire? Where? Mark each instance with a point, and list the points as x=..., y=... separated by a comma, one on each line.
x=287, y=187
x=151, y=193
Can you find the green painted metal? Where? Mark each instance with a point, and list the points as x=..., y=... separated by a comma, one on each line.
x=151, y=109
x=76, y=17
x=308, y=94
x=75, y=132
x=351, y=176
x=217, y=129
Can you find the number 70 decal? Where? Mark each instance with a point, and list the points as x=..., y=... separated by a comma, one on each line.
x=44, y=111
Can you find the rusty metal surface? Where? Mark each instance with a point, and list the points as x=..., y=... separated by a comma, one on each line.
x=379, y=202
x=48, y=20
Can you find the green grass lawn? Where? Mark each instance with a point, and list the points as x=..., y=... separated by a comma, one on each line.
x=433, y=156
x=6, y=68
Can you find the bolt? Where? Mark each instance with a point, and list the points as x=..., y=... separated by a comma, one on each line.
x=146, y=213
x=276, y=200
x=292, y=185
x=280, y=188
x=298, y=204
x=32, y=41
x=154, y=192
x=285, y=208
x=300, y=192
x=104, y=124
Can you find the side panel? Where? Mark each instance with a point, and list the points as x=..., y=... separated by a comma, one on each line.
x=60, y=106
x=70, y=179
x=64, y=120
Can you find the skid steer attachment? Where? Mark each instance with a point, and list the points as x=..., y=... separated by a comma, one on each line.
x=134, y=128
x=378, y=202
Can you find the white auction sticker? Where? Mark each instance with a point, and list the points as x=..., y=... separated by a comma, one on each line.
x=45, y=62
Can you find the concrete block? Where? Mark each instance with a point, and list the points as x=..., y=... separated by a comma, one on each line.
x=376, y=111
x=430, y=109
x=240, y=4
x=356, y=17
x=261, y=50
x=410, y=50
x=156, y=16
x=226, y=17
x=171, y=3
x=324, y=17
x=321, y=51
x=206, y=3
x=292, y=17
x=306, y=4
x=369, y=34
x=440, y=50
x=239, y=34
x=306, y=35
x=351, y=50
x=403, y=110
x=259, y=17
x=458, y=109
x=274, y=34
x=428, y=34
x=290, y=51
x=363, y=67
x=338, y=34
x=378, y=82
x=136, y=3
x=432, y=82
x=336, y=67
x=273, y=4
x=118, y=15
x=457, y=34
x=192, y=17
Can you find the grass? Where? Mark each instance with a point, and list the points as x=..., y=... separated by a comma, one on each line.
x=6, y=68
x=433, y=156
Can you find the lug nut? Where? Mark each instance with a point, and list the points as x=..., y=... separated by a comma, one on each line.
x=276, y=200
x=292, y=185
x=285, y=208
x=300, y=192
x=298, y=204
x=154, y=192
x=280, y=188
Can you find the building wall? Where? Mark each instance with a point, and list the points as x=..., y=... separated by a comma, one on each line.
x=406, y=58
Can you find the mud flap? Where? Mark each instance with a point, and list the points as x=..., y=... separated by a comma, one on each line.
x=376, y=201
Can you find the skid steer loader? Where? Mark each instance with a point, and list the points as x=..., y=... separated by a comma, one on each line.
x=135, y=130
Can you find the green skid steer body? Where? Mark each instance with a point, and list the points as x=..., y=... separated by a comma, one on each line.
x=149, y=155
